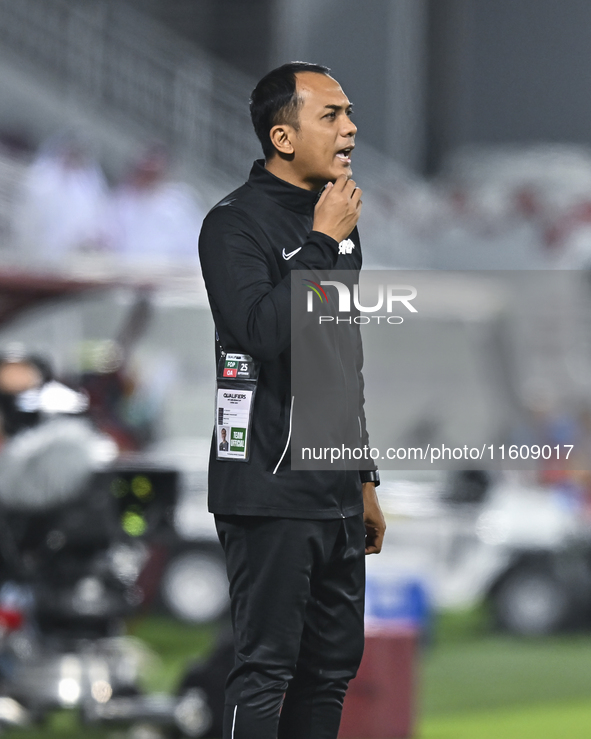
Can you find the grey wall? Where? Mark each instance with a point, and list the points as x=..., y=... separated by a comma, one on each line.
x=238, y=31
x=425, y=75
x=375, y=48
x=508, y=71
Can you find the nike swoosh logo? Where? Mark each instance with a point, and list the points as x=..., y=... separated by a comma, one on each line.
x=291, y=253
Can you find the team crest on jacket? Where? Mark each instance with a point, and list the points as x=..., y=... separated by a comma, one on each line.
x=346, y=247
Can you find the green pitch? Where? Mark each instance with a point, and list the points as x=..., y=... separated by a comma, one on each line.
x=561, y=721
x=472, y=684
x=478, y=685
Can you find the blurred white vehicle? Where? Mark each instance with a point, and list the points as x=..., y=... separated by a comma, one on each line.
x=517, y=546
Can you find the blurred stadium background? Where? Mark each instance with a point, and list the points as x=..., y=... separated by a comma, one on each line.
x=121, y=123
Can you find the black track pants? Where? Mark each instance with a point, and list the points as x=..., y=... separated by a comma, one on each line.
x=297, y=592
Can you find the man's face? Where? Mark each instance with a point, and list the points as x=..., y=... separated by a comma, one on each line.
x=223, y=434
x=326, y=135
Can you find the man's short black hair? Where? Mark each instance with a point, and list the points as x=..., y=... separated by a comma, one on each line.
x=274, y=100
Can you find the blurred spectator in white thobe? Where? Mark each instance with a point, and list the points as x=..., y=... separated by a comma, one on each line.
x=62, y=205
x=153, y=220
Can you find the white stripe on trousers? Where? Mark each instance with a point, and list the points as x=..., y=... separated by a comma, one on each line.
x=234, y=721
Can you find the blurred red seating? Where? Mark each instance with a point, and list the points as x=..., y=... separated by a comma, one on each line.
x=380, y=700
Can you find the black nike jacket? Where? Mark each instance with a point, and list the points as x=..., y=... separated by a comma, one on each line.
x=249, y=244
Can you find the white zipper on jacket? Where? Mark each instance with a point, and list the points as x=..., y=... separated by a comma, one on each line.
x=288, y=436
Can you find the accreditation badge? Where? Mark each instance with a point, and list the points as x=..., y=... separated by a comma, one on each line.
x=237, y=378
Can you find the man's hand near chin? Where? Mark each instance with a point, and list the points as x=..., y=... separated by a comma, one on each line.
x=375, y=525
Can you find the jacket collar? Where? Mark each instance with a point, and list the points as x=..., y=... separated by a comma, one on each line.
x=282, y=192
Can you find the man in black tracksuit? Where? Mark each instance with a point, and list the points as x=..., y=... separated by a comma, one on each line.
x=294, y=541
